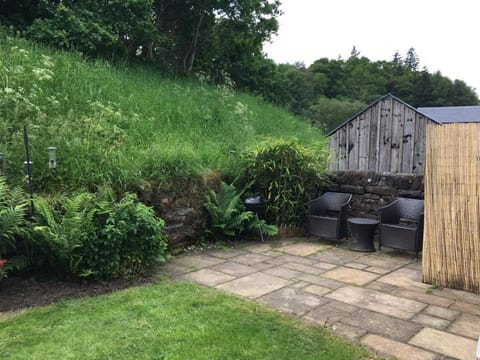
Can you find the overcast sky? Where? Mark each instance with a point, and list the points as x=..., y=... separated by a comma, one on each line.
x=444, y=33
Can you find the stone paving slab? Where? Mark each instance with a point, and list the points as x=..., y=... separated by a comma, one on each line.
x=317, y=290
x=466, y=325
x=233, y=268
x=198, y=261
x=396, y=349
x=250, y=258
x=459, y=295
x=441, y=312
x=466, y=307
x=376, y=301
x=384, y=262
x=207, y=277
x=280, y=260
x=346, y=331
x=292, y=301
x=377, y=270
x=431, y=321
x=355, y=265
x=336, y=256
x=303, y=249
x=405, y=278
x=330, y=313
x=325, y=266
x=308, y=269
x=422, y=296
x=321, y=281
x=257, y=247
x=254, y=285
x=225, y=253
x=282, y=272
x=261, y=266
x=273, y=253
x=174, y=269
x=383, y=325
x=386, y=288
x=350, y=276
x=442, y=342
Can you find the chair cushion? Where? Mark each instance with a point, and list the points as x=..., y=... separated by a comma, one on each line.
x=398, y=237
x=323, y=226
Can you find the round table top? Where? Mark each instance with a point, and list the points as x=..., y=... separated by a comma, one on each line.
x=363, y=221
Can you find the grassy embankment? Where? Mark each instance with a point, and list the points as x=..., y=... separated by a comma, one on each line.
x=123, y=126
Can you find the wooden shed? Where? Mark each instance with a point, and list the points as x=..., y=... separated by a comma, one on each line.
x=388, y=136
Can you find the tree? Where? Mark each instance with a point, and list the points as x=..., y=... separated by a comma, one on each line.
x=411, y=60
x=397, y=59
x=95, y=28
x=354, y=53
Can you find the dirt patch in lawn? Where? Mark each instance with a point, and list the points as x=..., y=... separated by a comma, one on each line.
x=17, y=293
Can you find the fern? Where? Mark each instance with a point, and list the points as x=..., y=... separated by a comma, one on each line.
x=13, y=204
x=228, y=214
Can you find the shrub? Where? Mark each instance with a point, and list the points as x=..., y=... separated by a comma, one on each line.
x=228, y=214
x=287, y=175
x=94, y=236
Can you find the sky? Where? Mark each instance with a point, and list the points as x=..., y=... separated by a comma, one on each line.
x=444, y=33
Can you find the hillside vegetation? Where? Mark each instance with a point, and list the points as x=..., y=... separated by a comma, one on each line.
x=123, y=126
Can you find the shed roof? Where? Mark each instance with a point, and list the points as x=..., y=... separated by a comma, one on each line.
x=372, y=104
x=452, y=114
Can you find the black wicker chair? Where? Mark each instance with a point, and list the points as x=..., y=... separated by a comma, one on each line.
x=401, y=225
x=327, y=215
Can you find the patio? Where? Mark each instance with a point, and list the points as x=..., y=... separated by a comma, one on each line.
x=376, y=299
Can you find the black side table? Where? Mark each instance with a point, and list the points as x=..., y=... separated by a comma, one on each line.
x=362, y=231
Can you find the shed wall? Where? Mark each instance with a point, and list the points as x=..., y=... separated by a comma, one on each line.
x=389, y=136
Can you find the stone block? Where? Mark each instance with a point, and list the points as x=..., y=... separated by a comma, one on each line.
x=380, y=190
x=414, y=194
x=353, y=189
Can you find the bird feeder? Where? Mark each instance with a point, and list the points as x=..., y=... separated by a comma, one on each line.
x=52, y=157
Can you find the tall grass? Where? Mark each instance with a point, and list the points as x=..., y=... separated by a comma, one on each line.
x=123, y=125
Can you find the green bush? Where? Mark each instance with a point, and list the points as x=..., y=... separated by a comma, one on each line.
x=95, y=236
x=287, y=175
x=228, y=216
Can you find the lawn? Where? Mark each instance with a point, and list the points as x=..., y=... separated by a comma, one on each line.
x=165, y=321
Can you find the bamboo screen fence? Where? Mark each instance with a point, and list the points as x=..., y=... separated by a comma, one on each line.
x=451, y=249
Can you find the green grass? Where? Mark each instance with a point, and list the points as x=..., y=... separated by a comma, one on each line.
x=124, y=125
x=165, y=321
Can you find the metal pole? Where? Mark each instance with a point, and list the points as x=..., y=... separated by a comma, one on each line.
x=28, y=170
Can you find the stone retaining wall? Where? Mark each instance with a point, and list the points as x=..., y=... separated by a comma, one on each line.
x=372, y=190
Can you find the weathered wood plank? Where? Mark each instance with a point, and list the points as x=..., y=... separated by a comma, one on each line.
x=352, y=147
x=364, y=141
x=379, y=135
x=372, y=145
x=408, y=141
x=342, y=159
x=396, y=138
x=419, y=152
x=385, y=134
